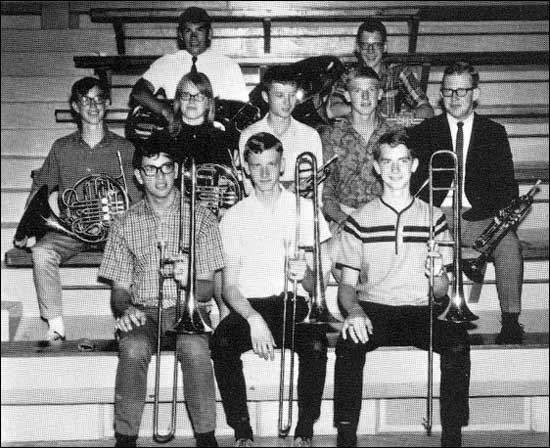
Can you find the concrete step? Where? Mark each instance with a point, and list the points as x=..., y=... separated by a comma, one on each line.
x=70, y=386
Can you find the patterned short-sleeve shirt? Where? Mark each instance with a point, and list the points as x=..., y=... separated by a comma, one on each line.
x=132, y=254
x=352, y=180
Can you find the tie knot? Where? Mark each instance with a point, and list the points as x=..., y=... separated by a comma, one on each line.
x=460, y=124
x=194, y=59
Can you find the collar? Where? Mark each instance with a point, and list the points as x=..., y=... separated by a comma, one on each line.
x=453, y=122
x=106, y=140
x=172, y=208
x=393, y=209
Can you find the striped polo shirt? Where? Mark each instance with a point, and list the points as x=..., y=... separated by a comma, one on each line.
x=389, y=250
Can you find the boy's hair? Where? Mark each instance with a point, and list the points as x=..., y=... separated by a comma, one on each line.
x=81, y=87
x=394, y=137
x=282, y=74
x=360, y=71
x=260, y=142
x=371, y=26
x=160, y=142
x=204, y=86
x=459, y=67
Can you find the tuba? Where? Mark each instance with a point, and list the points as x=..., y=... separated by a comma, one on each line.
x=90, y=207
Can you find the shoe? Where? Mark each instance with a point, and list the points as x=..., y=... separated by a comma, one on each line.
x=346, y=438
x=511, y=333
x=122, y=440
x=55, y=338
x=244, y=442
x=302, y=441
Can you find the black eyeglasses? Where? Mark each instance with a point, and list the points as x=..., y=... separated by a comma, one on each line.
x=371, y=46
x=98, y=100
x=461, y=93
x=152, y=170
x=199, y=97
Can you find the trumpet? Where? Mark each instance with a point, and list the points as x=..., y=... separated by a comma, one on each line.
x=189, y=320
x=317, y=307
x=506, y=218
x=457, y=310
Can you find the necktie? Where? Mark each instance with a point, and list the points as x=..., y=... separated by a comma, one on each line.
x=460, y=151
x=194, y=67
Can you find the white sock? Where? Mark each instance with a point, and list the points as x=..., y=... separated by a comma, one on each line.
x=56, y=324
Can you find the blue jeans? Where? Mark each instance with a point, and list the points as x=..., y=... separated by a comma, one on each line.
x=135, y=350
x=47, y=254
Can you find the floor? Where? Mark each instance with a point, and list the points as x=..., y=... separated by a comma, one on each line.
x=473, y=439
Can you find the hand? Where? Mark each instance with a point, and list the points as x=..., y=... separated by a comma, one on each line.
x=132, y=316
x=358, y=325
x=297, y=268
x=433, y=254
x=181, y=271
x=263, y=343
x=20, y=243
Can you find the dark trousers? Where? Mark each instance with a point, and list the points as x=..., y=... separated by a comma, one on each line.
x=406, y=325
x=232, y=338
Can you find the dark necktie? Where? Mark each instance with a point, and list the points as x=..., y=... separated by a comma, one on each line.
x=194, y=67
x=460, y=151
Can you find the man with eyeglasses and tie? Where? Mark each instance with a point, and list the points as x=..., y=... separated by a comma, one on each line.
x=488, y=177
x=91, y=149
x=401, y=89
x=194, y=38
x=131, y=264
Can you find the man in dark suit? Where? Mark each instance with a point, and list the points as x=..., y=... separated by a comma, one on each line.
x=488, y=180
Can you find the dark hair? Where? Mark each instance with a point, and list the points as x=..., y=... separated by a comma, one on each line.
x=204, y=86
x=371, y=26
x=160, y=142
x=194, y=15
x=394, y=137
x=459, y=67
x=260, y=142
x=83, y=86
x=283, y=74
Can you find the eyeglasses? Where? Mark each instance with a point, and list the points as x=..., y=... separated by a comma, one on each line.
x=87, y=100
x=461, y=93
x=371, y=46
x=199, y=97
x=152, y=170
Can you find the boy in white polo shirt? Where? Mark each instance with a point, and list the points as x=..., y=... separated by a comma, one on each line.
x=279, y=89
x=257, y=232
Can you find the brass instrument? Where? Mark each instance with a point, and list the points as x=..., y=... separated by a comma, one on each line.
x=217, y=186
x=457, y=310
x=316, y=178
x=318, y=311
x=189, y=320
x=506, y=218
x=91, y=206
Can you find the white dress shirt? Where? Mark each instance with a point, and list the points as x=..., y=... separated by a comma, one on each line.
x=224, y=74
x=467, y=132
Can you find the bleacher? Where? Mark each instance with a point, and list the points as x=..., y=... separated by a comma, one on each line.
x=46, y=46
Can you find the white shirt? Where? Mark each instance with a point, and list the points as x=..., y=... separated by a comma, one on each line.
x=254, y=237
x=224, y=74
x=298, y=138
x=467, y=132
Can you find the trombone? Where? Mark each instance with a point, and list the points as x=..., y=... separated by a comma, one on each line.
x=457, y=310
x=188, y=321
x=317, y=307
